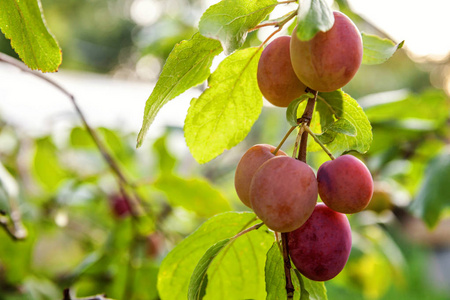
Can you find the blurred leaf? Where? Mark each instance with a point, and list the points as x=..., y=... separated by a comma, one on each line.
x=342, y=137
x=229, y=20
x=79, y=138
x=193, y=194
x=377, y=50
x=46, y=166
x=22, y=21
x=199, y=278
x=16, y=257
x=187, y=66
x=434, y=194
x=310, y=289
x=291, y=111
x=165, y=160
x=224, y=114
x=313, y=16
x=429, y=105
x=177, y=267
x=275, y=277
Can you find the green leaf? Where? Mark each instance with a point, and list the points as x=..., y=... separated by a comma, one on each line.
x=166, y=160
x=195, y=194
x=229, y=20
x=313, y=16
x=22, y=21
x=434, y=194
x=187, y=65
x=224, y=114
x=198, y=282
x=310, y=289
x=339, y=105
x=46, y=166
x=291, y=111
x=178, y=265
x=343, y=126
x=275, y=277
x=377, y=50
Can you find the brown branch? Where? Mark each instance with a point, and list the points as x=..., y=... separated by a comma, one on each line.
x=134, y=201
x=287, y=266
x=306, y=119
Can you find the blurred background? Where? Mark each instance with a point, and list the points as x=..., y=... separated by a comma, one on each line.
x=80, y=233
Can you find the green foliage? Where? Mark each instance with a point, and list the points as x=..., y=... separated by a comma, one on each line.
x=377, y=50
x=199, y=279
x=310, y=289
x=23, y=23
x=193, y=194
x=292, y=110
x=313, y=16
x=434, y=194
x=229, y=20
x=224, y=114
x=178, y=265
x=344, y=126
x=187, y=66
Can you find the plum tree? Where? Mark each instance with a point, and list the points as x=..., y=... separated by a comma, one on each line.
x=283, y=193
x=320, y=248
x=276, y=77
x=345, y=184
x=248, y=165
x=328, y=61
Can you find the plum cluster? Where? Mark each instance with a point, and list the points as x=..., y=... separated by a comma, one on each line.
x=283, y=193
x=325, y=63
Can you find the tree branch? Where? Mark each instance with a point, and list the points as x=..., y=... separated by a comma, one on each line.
x=134, y=201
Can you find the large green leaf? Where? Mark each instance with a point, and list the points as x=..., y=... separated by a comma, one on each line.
x=229, y=20
x=434, y=194
x=177, y=267
x=22, y=21
x=355, y=133
x=377, y=50
x=275, y=277
x=187, y=65
x=313, y=16
x=194, y=194
x=224, y=114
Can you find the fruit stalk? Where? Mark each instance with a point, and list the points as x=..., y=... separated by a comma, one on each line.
x=305, y=119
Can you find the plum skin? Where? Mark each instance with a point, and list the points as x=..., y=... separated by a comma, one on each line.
x=248, y=165
x=330, y=59
x=345, y=184
x=276, y=78
x=321, y=247
x=283, y=193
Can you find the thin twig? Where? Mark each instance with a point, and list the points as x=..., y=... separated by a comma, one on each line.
x=318, y=141
x=284, y=139
x=135, y=201
x=254, y=227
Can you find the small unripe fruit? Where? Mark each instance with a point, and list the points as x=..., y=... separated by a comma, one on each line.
x=283, y=193
x=276, y=78
x=321, y=247
x=330, y=59
x=345, y=184
x=248, y=165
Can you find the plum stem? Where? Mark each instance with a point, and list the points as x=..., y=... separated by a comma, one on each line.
x=316, y=139
x=284, y=139
x=287, y=266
